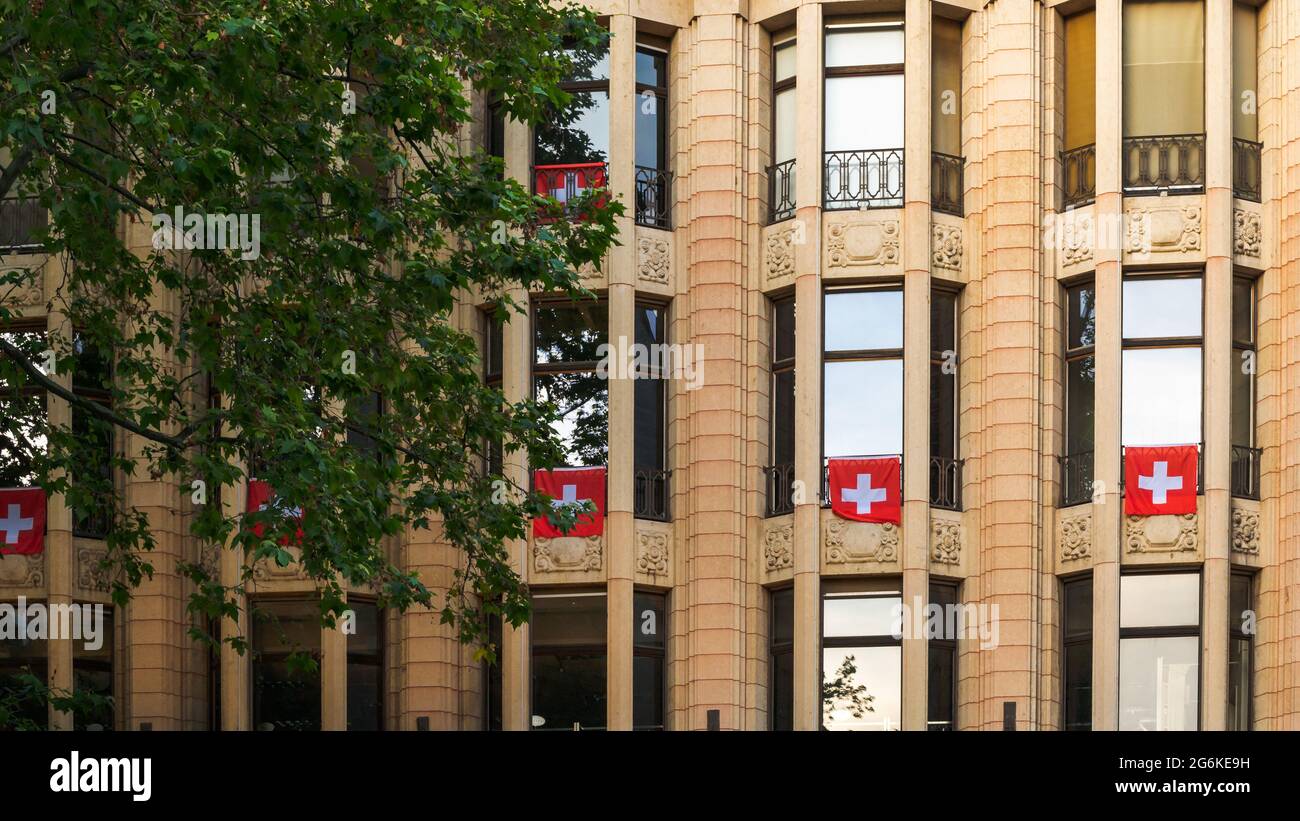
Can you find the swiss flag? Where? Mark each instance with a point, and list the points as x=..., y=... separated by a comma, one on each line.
x=260, y=495
x=22, y=521
x=1160, y=480
x=568, y=486
x=866, y=490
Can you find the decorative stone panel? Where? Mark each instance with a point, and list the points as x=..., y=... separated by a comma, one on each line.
x=651, y=553
x=945, y=247
x=945, y=541
x=872, y=243
x=1247, y=237
x=846, y=542
x=1074, y=235
x=567, y=554
x=29, y=293
x=1074, y=536
x=778, y=547
x=1162, y=230
x=778, y=252
x=1161, y=534
x=91, y=573
x=653, y=259
x=1245, y=531
x=268, y=570
x=22, y=571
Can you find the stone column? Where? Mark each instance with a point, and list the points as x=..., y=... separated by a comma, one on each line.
x=334, y=677
x=60, y=560
x=236, y=701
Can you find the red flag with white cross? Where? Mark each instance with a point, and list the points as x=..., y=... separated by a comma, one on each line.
x=260, y=495
x=1160, y=480
x=866, y=490
x=572, y=486
x=22, y=521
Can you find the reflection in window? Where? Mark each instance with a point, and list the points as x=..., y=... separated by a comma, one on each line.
x=22, y=656
x=285, y=695
x=579, y=132
x=568, y=633
x=1243, y=362
x=1076, y=673
x=22, y=411
x=941, y=711
x=1241, y=651
x=1080, y=365
x=567, y=340
x=1161, y=361
x=366, y=667
x=649, y=640
x=92, y=672
x=782, y=364
x=862, y=660
x=651, y=107
x=781, y=658
x=943, y=375
x=1159, y=651
x=783, y=111
x=650, y=390
x=862, y=373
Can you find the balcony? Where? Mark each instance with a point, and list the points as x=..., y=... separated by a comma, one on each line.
x=1245, y=471
x=945, y=483
x=650, y=494
x=20, y=220
x=1247, y=171
x=1078, y=176
x=780, y=191
x=1164, y=165
x=863, y=179
x=564, y=183
x=947, y=180
x=780, y=489
x=654, y=203
x=1076, y=478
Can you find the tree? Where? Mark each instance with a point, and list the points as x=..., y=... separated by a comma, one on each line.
x=844, y=693
x=336, y=125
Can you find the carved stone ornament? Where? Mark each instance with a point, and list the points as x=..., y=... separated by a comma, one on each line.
x=945, y=541
x=1246, y=235
x=1245, y=531
x=22, y=570
x=1075, y=537
x=652, y=553
x=567, y=553
x=778, y=258
x=1167, y=533
x=653, y=257
x=1163, y=230
x=91, y=573
x=850, y=542
x=778, y=550
x=945, y=247
x=863, y=243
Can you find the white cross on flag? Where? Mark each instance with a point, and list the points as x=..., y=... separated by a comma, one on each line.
x=572, y=486
x=1160, y=480
x=865, y=490
x=22, y=521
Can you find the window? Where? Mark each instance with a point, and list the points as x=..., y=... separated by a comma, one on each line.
x=494, y=132
x=780, y=641
x=20, y=656
x=1079, y=159
x=942, y=680
x=366, y=667
x=579, y=133
x=781, y=436
x=21, y=216
x=1245, y=456
x=1076, y=652
x=947, y=180
x=566, y=342
x=862, y=372
x=650, y=499
x=1159, y=651
x=492, y=676
x=653, y=181
x=285, y=634
x=22, y=410
x=92, y=672
x=92, y=378
x=364, y=416
x=1161, y=403
x=1241, y=651
x=1080, y=381
x=945, y=469
x=493, y=338
x=569, y=661
x=862, y=659
x=863, y=100
x=781, y=190
x=649, y=640
x=1246, y=151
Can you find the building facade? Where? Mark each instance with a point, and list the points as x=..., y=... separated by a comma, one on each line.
x=1001, y=241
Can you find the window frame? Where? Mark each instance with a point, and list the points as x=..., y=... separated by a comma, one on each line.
x=1165, y=631
x=777, y=367
x=645, y=45
x=377, y=659
x=781, y=40
x=649, y=651
x=1081, y=638
x=945, y=644
x=777, y=649
x=603, y=649
x=1235, y=633
x=1239, y=347
x=257, y=656
x=1166, y=343
x=887, y=588
x=536, y=369
x=955, y=294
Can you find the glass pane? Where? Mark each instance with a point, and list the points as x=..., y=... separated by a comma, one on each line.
x=864, y=320
x=1164, y=67
x=1245, y=71
x=1082, y=306
x=1243, y=311
x=861, y=616
x=92, y=370
x=365, y=688
x=943, y=323
x=1079, y=402
x=651, y=122
x=785, y=62
x=650, y=67
x=862, y=688
x=648, y=692
x=1077, y=606
x=851, y=125
x=590, y=65
x=783, y=616
x=285, y=697
x=365, y=641
x=570, y=333
x=1078, y=686
x=1080, y=79
x=22, y=442
x=568, y=620
x=863, y=408
x=649, y=424
x=943, y=668
x=579, y=133
x=286, y=626
x=943, y=595
x=1158, y=683
x=783, y=419
x=943, y=413
x=783, y=335
x=1239, y=691
x=568, y=690
x=583, y=425
x=1239, y=610
x=649, y=620
x=784, y=126
x=866, y=46
x=1243, y=402
x=32, y=344
x=1161, y=396
x=650, y=328
x=1160, y=600
x=495, y=341
x=1155, y=308
x=783, y=691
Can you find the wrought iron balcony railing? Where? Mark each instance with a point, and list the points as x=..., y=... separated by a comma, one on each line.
x=780, y=191
x=654, y=197
x=947, y=181
x=564, y=183
x=1200, y=468
x=93, y=522
x=20, y=220
x=825, y=497
x=864, y=179
x=650, y=494
x=1245, y=471
x=945, y=483
x=780, y=489
x=1158, y=165
x=1078, y=176
x=1247, y=171
x=1076, y=478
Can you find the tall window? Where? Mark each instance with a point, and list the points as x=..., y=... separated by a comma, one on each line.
x=781, y=472
x=1076, y=652
x=92, y=379
x=1245, y=457
x=942, y=680
x=1241, y=651
x=862, y=659
x=566, y=340
x=1161, y=401
x=653, y=182
x=569, y=661
x=864, y=113
x=366, y=667
x=780, y=638
x=947, y=181
x=650, y=500
x=1159, y=651
x=945, y=474
x=1079, y=159
x=781, y=191
x=1080, y=382
x=20, y=656
x=579, y=132
x=286, y=696
x=364, y=416
x=493, y=338
x=862, y=372
x=92, y=672
x=649, y=642
x=22, y=410
x=492, y=676
x=494, y=131
x=1245, y=102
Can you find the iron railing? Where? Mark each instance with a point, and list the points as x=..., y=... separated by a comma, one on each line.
x=92, y=522
x=864, y=179
x=945, y=483
x=825, y=497
x=780, y=489
x=780, y=191
x=654, y=193
x=947, y=181
x=20, y=220
x=650, y=494
x=1247, y=171
x=1076, y=478
x=1245, y=471
x=1164, y=165
x=1200, y=467
x=1078, y=176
